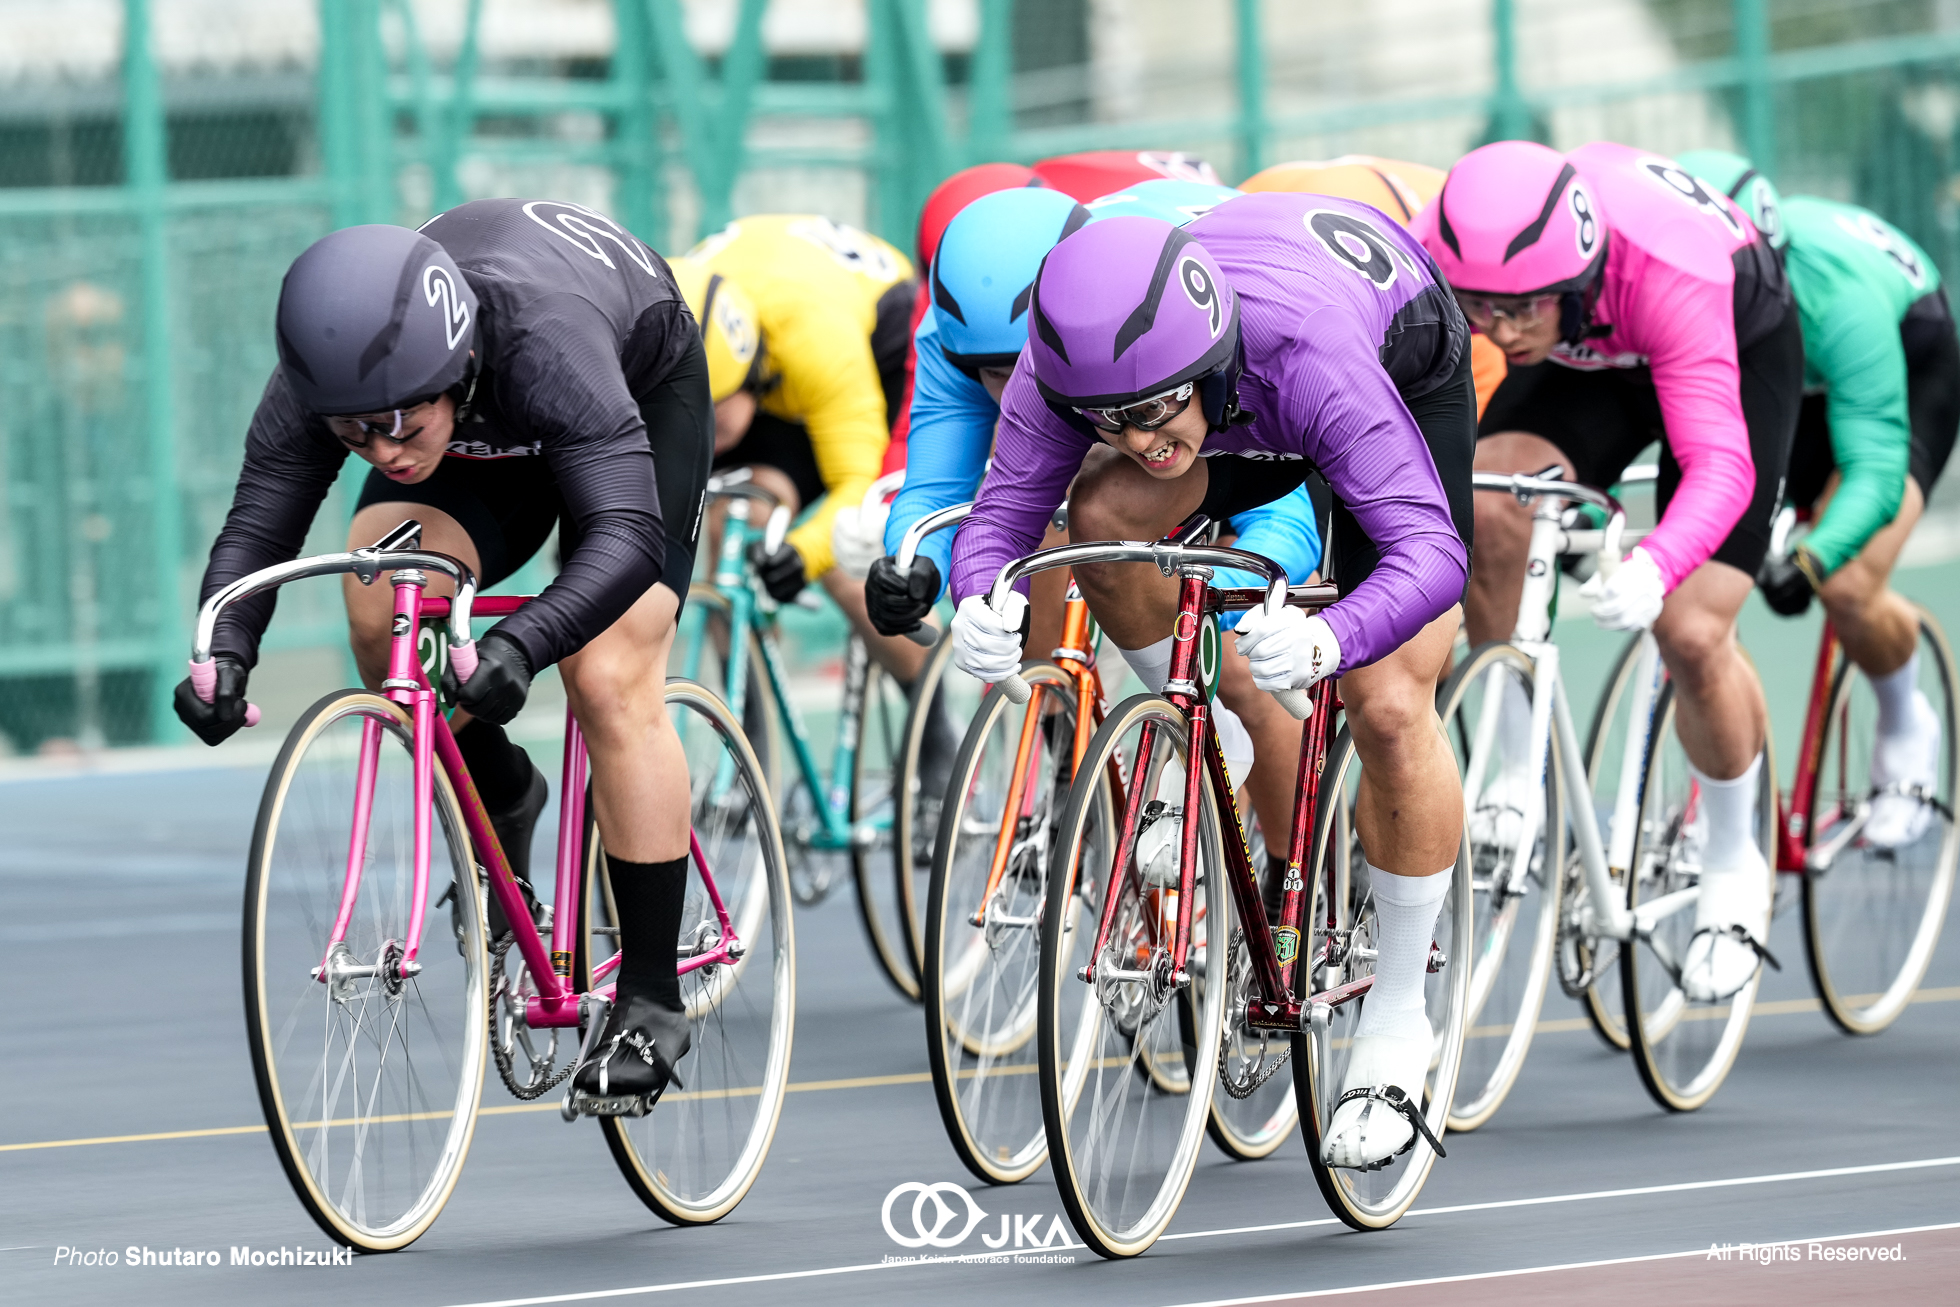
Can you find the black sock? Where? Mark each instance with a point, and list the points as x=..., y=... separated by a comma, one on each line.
x=1273, y=890
x=501, y=770
x=649, y=896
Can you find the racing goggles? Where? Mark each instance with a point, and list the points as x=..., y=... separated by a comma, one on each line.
x=355, y=431
x=1146, y=414
x=1521, y=311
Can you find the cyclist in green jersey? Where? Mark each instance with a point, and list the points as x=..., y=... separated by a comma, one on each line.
x=1881, y=407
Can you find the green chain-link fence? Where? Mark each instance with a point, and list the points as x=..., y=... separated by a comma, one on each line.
x=150, y=203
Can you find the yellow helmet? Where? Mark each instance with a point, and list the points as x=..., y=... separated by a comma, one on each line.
x=730, y=330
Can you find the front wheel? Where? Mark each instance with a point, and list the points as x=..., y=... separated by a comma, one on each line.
x=1873, y=916
x=368, y=1051
x=696, y=1155
x=1338, y=947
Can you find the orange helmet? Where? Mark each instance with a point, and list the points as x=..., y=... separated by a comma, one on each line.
x=1397, y=188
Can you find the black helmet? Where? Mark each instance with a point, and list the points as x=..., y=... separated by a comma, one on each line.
x=373, y=318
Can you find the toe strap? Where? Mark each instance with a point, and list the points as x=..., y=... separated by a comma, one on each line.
x=1740, y=934
x=1396, y=1101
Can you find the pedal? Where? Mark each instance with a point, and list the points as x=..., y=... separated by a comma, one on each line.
x=578, y=1103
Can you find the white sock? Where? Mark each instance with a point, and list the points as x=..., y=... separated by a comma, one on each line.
x=1405, y=923
x=1234, y=741
x=1894, y=692
x=1730, y=808
x=1152, y=665
x=1514, y=731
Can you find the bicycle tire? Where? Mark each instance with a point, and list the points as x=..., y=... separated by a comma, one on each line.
x=414, y=1113
x=1681, y=1066
x=1872, y=921
x=760, y=714
x=876, y=784
x=988, y=1101
x=1603, y=1003
x=916, y=833
x=1370, y=1200
x=1512, y=961
x=1122, y=1215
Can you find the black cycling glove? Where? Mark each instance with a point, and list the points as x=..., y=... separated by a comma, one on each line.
x=781, y=572
x=219, y=720
x=497, y=689
x=1785, y=586
x=898, y=601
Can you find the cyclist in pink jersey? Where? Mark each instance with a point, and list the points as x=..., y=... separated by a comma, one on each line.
x=1634, y=304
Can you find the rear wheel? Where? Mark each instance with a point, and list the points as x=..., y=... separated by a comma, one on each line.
x=369, y=1061
x=882, y=717
x=1516, y=891
x=1872, y=917
x=1126, y=1090
x=945, y=701
x=1682, y=1049
x=1589, y=966
x=1338, y=945
x=981, y=979
x=695, y=1156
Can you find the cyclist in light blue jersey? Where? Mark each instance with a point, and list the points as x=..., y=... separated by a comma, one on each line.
x=1176, y=202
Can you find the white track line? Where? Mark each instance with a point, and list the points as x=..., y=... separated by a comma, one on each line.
x=1540, y=1270
x=1783, y=1177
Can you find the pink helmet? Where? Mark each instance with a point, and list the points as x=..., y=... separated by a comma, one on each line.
x=1514, y=218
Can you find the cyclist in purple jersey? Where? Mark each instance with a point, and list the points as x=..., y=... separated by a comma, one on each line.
x=1217, y=366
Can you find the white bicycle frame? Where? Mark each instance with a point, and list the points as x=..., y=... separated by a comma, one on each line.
x=1606, y=915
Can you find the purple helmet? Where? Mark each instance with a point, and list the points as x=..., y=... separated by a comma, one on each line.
x=1127, y=308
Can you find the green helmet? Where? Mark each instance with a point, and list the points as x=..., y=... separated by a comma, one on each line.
x=1737, y=178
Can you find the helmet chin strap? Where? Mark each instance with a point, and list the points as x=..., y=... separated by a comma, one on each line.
x=1219, y=394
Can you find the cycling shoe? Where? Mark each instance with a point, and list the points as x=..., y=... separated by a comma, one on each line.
x=635, y=1052
x=1731, y=923
x=1901, y=766
x=1379, y=1112
x=1507, y=808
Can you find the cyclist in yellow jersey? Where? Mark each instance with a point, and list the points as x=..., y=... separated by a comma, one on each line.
x=811, y=414
x=1399, y=189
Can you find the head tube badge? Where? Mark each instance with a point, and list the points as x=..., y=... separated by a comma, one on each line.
x=432, y=650
x=1208, y=645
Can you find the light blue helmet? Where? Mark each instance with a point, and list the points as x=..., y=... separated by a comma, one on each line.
x=1176, y=202
x=984, y=270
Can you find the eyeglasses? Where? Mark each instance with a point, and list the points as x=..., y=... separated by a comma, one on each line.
x=355, y=432
x=1145, y=414
x=1523, y=312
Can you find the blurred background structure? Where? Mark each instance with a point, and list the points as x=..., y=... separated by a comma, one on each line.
x=161, y=161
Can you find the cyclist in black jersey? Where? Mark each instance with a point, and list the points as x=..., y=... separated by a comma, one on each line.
x=511, y=367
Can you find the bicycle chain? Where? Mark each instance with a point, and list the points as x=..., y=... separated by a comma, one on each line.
x=1234, y=1086
x=535, y=1088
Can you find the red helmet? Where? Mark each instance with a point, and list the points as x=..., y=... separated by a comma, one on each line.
x=960, y=190
x=1084, y=177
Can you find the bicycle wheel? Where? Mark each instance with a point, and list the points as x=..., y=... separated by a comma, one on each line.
x=1872, y=919
x=370, y=1076
x=1589, y=967
x=1516, y=903
x=1253, y=1106
x=980, y=980
x=695, y=1156
x=1123, y=1132
x=1683, y=1050
x=880, y=731
x=1340, y=950
x=701, y=655
x=945, y=700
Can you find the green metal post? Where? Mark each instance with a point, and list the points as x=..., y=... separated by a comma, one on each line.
x=635, y=147
x=1510, y=116
x=1758, y=96
x=146, y=165
x=459, y=122
x=741, y=69
x=339, y=127
x=918, y=110
x=680, y=68
x=1252, y=90
x=421, y=78
x=373, y=113
x=990, y=115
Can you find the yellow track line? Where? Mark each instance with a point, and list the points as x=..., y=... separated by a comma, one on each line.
x=1780, y=1007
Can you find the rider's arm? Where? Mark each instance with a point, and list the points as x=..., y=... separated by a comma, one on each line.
x=290, y=464
x=1036, y=455
x=565, y=383
x=1857, y=349
x=1692, y=351
x=952, y=432
x=1285, y=531
x=830, y=380
x=1360, y=434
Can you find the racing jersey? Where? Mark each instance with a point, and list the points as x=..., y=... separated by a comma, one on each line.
x=816, y=286
x=1855, y=276
x=1342, y=315
x=1670, y=301
x=578, y=326
x=953, y=420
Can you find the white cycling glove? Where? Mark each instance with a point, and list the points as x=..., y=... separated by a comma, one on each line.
x=1632, y=599
x=1288, y=652
x=858, y=537
x=986, y=644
